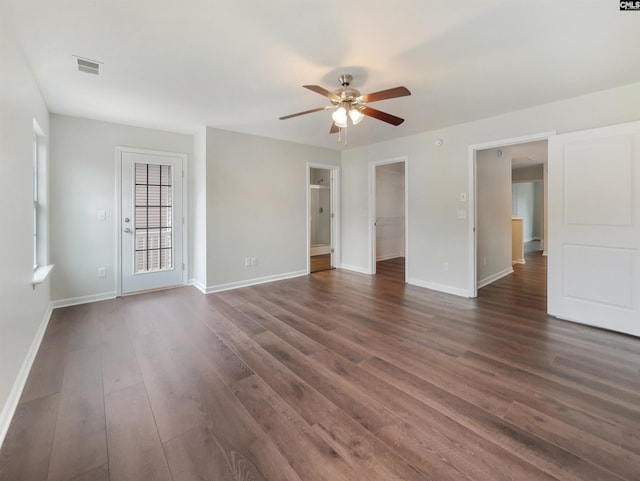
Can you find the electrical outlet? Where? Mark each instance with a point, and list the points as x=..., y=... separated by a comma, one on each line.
x=462, y=214
x=102, y=272
x=445, y=266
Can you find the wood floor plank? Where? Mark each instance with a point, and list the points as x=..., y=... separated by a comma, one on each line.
x=363, y=409
x=174, y=409
x=135, y=450
x=237, y=436
x=198, y=455
x=310, y=404
x=602, y=453
x=100, y=473
x=119, y=363
x=538, y=451
x=25, y=452
x=80, y=442
x=306, y=452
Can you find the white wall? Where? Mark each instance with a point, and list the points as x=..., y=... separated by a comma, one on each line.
x=390, y=215
x=439, y=174
x=528, y=203
x=198, y=211
x=83, y=181
x=493, y=224
x=256, y=206
x=23, y=310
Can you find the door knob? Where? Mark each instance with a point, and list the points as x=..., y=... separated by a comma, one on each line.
x=127, y=230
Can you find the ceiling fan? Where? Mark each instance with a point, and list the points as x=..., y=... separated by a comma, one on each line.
x=349, y=103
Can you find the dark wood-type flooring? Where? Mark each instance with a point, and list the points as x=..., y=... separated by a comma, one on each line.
x=335, y=376
x=320, y=263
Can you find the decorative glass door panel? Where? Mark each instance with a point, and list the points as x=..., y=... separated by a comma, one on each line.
x=151, y=216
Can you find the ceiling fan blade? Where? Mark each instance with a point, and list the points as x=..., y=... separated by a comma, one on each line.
x=305, y=112
x=322, y=91
x=385, y=117
x=334, y=128
x=386, y=94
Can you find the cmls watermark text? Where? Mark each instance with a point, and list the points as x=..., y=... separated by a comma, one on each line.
x=630, y=5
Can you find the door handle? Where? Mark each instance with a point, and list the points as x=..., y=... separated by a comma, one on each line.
x=127, y=230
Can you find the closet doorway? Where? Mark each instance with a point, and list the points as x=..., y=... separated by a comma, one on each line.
x=388, y=206
x=321, y=217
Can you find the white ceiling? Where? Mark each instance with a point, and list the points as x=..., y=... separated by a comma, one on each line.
x=239, y=65
x=528, y=154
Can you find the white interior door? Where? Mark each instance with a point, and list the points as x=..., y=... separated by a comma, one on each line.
x=151, y=221
x=594, y=227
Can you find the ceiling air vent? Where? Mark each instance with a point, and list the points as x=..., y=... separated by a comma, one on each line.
x=88, y=66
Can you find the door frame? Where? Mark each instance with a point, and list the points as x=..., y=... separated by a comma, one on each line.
x=119, y=150
x=473, y=201
x=335, y=210
x=372, y=212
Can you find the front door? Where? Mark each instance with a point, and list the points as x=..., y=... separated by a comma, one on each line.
x=594, y=227
x=151, y=220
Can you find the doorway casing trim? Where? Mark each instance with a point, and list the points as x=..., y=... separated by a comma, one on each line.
x=119, y=150
x=472, y=187
x=372, y=212
x=335, y=210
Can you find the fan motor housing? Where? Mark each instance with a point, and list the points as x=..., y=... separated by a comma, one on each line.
x=347, y=95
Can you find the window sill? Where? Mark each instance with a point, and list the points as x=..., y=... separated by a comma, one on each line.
x=40, y=274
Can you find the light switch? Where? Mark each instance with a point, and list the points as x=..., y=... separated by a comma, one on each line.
x=102, y=215
x=463, y=196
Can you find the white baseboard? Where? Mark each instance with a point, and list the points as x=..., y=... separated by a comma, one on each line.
x=198, y=285
x=492, y=278
x=357, y=269
x=439, y=287
x=252, y=282
x=11, y=405
x=74, y=301
x=390, y=256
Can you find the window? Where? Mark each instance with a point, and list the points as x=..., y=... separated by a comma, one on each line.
x=153, y=217
x=36, y=207
x=40, y=268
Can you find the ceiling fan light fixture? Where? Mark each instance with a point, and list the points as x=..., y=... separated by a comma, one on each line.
x=339, y=116
x=356, y=116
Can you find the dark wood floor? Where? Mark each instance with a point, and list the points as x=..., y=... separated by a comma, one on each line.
x=320, y=263
x=334, y=376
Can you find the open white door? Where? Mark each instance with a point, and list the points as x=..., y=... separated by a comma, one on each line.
x=594, y=227
x=151, y=220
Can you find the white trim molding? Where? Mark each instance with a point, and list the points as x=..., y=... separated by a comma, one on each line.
x=11, y=405
x=439, y=287
x=359, y=270
x=494, y=277
x=75, y=301
x=198, y=285
x=250, y=282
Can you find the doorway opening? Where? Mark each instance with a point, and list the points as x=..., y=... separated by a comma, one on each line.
x=388, y=213
x=321, y=217
x=508, y=215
